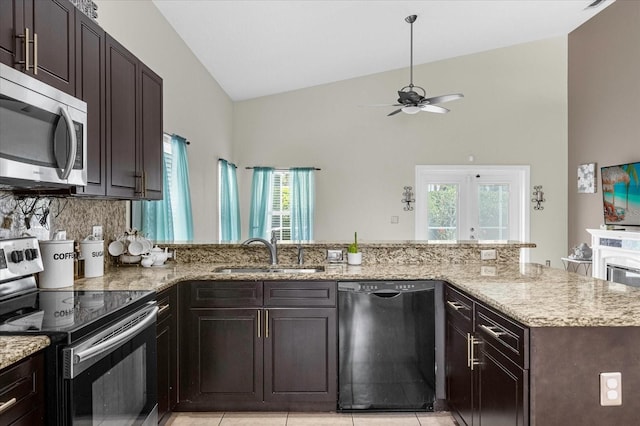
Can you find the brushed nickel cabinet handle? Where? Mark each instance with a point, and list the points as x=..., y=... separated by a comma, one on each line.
x=35, y=53
x=491, y=330
x=259, y=325
x=266, y=324
x=162, y=309
x=4, y=406
x=25, y=38
x=472, y=360
x=468, y=350
x=455, y=305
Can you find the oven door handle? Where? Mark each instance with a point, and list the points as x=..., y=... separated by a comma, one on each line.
x=117, y=339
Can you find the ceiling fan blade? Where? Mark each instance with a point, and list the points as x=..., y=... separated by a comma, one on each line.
x=381, y=105
x=434, y=108
x=443, y=98
x=394, y=112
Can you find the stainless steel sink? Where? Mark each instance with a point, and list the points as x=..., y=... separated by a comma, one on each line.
x=269, y=270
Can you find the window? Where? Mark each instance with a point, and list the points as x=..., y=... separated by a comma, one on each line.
x=283, y=202
x=168, y=219
x=281, y=205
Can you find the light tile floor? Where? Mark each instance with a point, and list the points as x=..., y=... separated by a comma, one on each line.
x=311, y=419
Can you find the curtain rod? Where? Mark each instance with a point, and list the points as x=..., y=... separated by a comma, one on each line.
x=228, y=162
x=185, y=139
x=283, y=168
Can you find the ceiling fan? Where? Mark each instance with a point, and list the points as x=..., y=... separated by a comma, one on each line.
x=410, y=100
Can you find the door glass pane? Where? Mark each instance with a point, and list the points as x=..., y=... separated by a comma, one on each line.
x=442, y=213
x=493, y=212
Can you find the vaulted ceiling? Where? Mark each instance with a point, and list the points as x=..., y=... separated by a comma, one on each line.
x=262, y=47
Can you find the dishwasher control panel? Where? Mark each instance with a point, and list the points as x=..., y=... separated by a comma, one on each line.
x=375, y=286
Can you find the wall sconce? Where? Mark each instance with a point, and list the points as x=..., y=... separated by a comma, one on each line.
x=408, y=198
x=538, y=197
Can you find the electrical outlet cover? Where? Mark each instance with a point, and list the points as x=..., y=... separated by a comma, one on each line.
x=610, y=389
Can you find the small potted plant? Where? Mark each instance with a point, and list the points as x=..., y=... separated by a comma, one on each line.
x=354, y=257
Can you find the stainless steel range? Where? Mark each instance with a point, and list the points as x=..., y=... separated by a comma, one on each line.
x=101, y=365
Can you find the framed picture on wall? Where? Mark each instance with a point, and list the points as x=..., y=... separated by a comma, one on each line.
x=587, y=178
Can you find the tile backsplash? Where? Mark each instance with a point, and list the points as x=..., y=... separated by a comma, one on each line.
x=74, y=215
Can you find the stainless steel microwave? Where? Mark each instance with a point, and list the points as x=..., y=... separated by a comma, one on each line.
x=43, y=134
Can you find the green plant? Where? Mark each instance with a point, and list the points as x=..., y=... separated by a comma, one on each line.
x=353, y=247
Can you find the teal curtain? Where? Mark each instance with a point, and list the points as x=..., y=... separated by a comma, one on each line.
x=229, y=202
x=302, y=203
x=157, y=218
x=180, y=192
x=260, y=202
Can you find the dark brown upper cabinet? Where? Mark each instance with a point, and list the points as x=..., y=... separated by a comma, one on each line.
x=150, y=146
x=123, y=95
x=91, y=88
x=37, y=37
x=133, y=126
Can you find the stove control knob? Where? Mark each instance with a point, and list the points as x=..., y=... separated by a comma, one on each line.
x=31, y=254
x=17, y=256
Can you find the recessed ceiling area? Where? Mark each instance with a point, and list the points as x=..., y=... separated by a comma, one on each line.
x=258, y=48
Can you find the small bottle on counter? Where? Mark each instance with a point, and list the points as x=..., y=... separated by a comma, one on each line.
x=78, y=263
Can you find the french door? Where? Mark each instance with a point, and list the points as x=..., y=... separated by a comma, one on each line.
x=472, y=203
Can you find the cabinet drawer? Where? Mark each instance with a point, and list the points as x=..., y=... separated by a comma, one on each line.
x=299, y=293
x=21, y=386
x=225, y=294
x=504, y=334
x=459, y=306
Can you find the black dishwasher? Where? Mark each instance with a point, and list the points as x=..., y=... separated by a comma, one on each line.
x=387, y=345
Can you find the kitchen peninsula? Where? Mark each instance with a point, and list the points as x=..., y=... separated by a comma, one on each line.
x=575, y=327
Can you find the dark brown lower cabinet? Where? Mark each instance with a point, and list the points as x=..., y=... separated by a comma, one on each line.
x=299, y=356
x=241, y=353
x=167, y=353
x=22, y=392
x=486, y=364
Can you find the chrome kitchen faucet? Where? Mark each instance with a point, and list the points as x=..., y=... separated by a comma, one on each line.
x=271, y=246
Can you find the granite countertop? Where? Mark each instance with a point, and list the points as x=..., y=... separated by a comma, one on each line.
x=536, y=296
x=16, y=348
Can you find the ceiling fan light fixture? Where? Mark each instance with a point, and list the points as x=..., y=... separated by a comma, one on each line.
x=412, y=109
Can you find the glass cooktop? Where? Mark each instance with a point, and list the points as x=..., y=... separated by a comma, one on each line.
x=74, y=313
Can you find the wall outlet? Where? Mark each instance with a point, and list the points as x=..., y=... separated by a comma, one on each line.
x=96, y=232
x=334, y=256
x=488, y=271
x=610, y=389
x=488, y=255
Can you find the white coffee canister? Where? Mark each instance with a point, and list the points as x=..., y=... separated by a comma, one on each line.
x=92, y=251
x=57, y=260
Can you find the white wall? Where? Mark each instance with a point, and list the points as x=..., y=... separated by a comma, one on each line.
x=195, y=106
x=514, y=112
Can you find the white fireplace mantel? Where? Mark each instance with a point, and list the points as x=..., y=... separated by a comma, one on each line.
x=620, y=248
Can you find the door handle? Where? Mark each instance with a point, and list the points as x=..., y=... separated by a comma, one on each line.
x=73, y=149
x=266, y=324
x=162, y=308
x=4, y=406
x=35, y=54
x=492, y=331
x=455, y=305
x=259, y=325
x=472, y=361
x=27, y=42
